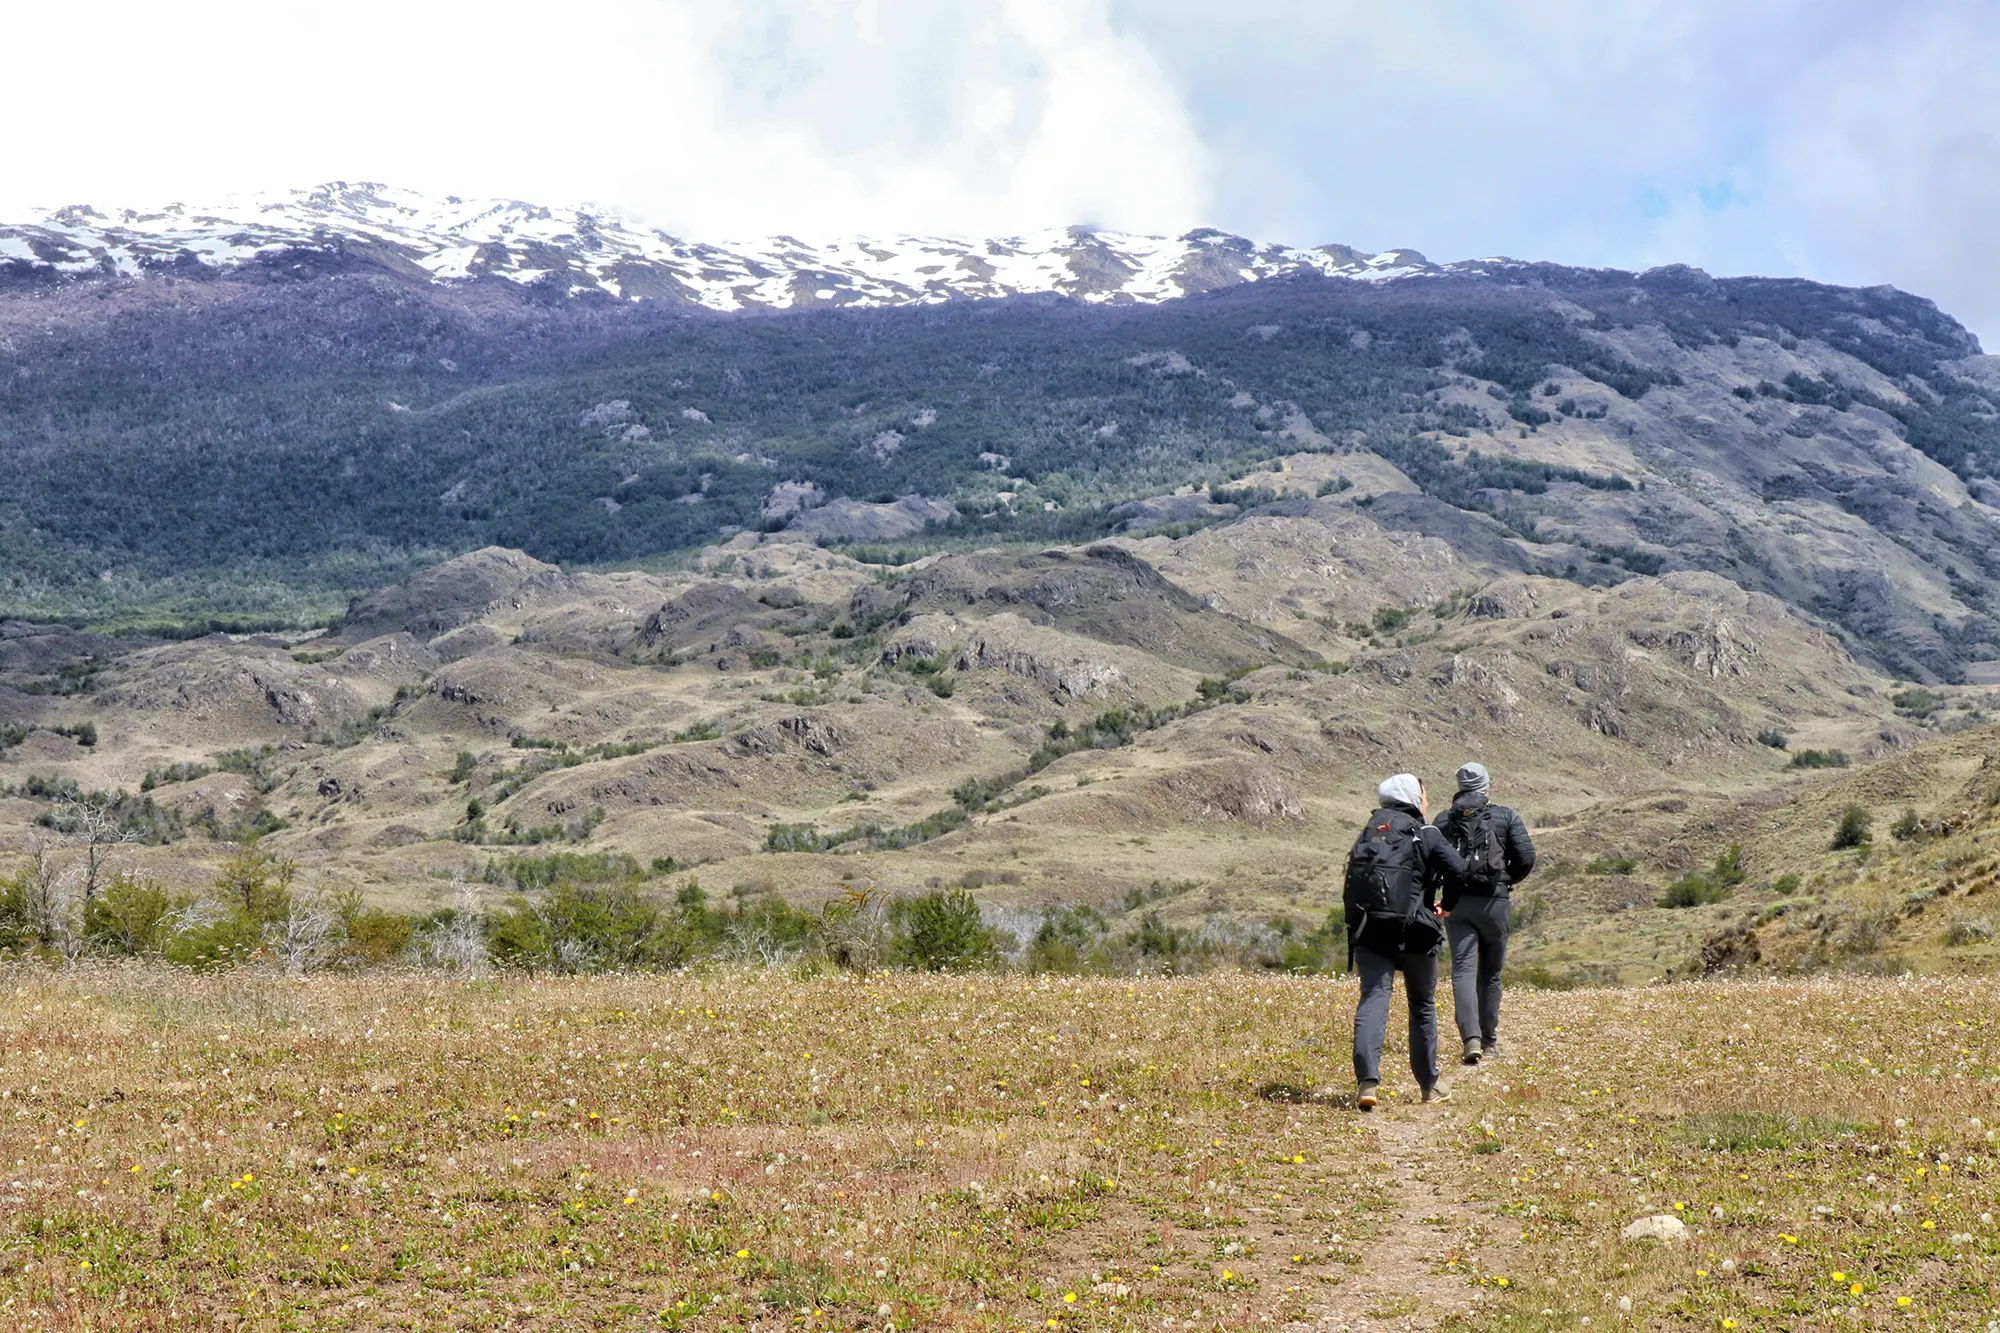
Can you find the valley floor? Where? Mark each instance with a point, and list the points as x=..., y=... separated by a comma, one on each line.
x=763, y=1150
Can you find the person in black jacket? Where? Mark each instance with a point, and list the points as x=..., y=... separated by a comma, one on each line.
x=1498, y=855
x=1399, y=863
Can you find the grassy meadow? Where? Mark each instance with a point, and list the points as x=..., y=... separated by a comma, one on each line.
x=760, y=1149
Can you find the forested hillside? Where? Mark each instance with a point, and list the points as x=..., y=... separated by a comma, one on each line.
x=257, y=445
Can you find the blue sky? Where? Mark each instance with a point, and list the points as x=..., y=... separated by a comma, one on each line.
x=1847, y=141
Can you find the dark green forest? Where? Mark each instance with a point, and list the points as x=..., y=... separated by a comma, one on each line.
x=261, y=449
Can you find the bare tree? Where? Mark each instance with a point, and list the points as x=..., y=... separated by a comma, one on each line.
x=93, y=822
x=309, y=935
x=461, y=945
x=49, y=897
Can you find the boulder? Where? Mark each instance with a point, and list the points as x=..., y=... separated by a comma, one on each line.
x=1662, y=1227
x=1505, y=599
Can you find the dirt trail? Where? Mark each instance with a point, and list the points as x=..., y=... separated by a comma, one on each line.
x=1400, y=1282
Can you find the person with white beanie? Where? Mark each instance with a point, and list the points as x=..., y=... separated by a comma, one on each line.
x=1394, y=874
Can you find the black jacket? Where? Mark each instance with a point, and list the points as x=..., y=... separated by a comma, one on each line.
x=1439, y=866
x=1515, y=846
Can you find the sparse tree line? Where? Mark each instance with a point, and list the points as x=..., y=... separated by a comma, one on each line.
x=569, y=912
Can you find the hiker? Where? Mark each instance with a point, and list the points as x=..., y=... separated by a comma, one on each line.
x=1498, y=855
x=1394, y=874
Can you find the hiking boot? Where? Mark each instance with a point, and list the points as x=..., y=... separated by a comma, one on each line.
x=1489, y=1050
x=1472, y=1050
x=1366, y=1099
x=1436, y=1093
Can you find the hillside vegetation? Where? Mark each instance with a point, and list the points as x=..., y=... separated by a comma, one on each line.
x=298, y=441
x=1143, y=755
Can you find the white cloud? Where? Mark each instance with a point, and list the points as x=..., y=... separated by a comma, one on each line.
x=1847, y=140
x=805, y=116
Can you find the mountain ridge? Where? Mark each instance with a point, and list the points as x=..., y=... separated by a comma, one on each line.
x=307, y=425
x=591, y=250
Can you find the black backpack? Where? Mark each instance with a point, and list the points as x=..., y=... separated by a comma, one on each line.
x=1476, y=833
x=1384, y=884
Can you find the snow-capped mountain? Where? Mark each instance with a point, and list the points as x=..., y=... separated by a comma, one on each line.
x=585, y=250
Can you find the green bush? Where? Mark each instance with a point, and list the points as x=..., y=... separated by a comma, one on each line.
x=1069, y=940
x=1907, y=827
x=257, y=884
x=1856, y=829
x=1611, y=863
x=940, y=931
x=1774, y=738
x=1155, y=939
x=1820, y=759
x=1917, y=702
x=1389, y=619
x=374, y=935
x=225, y=939
x=592, y=928
x=526, y=873
x=131, y=915
x=1703, y=887
x=1321, y=950
x=16, y=929
x=1693, y=891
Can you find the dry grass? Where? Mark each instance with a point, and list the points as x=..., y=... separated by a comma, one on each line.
x=757, y=1150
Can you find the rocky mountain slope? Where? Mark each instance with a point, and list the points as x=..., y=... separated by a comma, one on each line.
x=303, y=430
x=1182, y=726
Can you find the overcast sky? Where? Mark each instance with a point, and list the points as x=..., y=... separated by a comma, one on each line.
x=1849, y=140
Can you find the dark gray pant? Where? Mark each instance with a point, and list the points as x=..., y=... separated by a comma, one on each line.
x=1478, y=931
x=1371, y=1016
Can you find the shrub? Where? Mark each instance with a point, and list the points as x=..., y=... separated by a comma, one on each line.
x=527, y=873
x=1611, y=863
x=1389, y=619
x=1774, y=738
x=1917, y=702
x=1157, y=940
x=939, y=931
x=1820, y=759
x=1968, y=930
x=257, y=884
x=1695, y=890
x=131, y=915
x=592, y=928
x=214, y=935
x=1907, y=827
x=1540, y=977
x=1856, y=829
x=1526, y=911
x=1703, y=887
x=1069, y=939
x=374, y=936
x=1320, y=950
